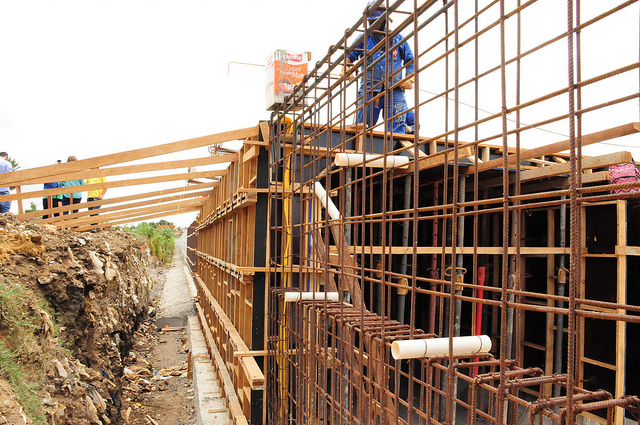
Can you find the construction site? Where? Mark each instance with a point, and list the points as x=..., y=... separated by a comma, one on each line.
x=478, y=266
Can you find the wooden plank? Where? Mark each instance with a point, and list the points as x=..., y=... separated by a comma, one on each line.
x=117, y=183
x=139, y=168
x=408, y=144
x=255, y=353
x=440, y=158
x=551, y=289
x=231, y=398
x=265, y=131
x=127, y=215
x=587, y=164
x=102, y=217
x=102, y=211
x=490, y=250
x=144, y=217
x=600, y=136
x=127, y=198
x=117, y=158
x=621, y=298
x=628, y=250
x=253, y=372
x=564, y=182
x=541, y=161
x=231, y=267
x=250, y=154
x=564, y=168
x=318, y=150
x=18, y=192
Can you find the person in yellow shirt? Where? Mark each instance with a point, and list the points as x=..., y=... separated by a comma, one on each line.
x=97, y=194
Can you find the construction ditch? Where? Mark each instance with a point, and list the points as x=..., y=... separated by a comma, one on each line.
x=78, y=340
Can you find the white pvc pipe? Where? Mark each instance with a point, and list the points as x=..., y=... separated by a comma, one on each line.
x=371, y=160
x=327, y=202
x=295, y=296
x=435, y=347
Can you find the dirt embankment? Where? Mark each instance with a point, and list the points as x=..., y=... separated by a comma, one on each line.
x=70, y=304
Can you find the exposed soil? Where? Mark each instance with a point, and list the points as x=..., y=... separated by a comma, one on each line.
x=167, y=398
x=87, y=345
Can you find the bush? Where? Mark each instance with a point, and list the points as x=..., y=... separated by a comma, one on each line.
x=160, y=236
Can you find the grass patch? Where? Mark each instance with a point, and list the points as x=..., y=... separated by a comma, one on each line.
x=20, y=323
x=160, y=237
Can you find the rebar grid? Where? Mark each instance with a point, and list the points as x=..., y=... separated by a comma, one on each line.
x=468, y=238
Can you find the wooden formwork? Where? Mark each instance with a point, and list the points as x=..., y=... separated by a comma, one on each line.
x=478, y=223
x=231, y=253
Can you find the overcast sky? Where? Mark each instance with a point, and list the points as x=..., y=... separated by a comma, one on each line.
x=92, y=77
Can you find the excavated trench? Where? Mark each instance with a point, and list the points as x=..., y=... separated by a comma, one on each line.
x=76, y=326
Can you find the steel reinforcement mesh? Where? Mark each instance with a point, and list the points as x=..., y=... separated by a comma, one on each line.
x=485, y=206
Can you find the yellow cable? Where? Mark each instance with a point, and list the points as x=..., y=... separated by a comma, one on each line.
x=282, y=340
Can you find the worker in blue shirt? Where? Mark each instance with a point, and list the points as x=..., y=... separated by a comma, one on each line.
x=375, y=84
x=5, y=167
x=74, y=197
x=50, y=201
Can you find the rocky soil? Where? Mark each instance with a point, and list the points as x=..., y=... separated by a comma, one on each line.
x=77, y=340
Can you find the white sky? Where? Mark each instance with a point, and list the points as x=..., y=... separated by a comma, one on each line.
x=91, y=77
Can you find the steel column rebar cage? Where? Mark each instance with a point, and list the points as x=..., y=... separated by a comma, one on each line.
x=497, y=214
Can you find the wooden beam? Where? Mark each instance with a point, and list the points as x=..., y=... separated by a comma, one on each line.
x=7, y=179
x=439, y=158
x=587, y=164
x=589, y=139
x=139, y=168
x=621, y=327
x=253, y=373
x=408, y=144
x=317, y=150
x=231, y=397
x=119, y=208
x=144, y=217
x=421, y=250
x=117, y=183
x=251, y=153
x=265, y=131
x=119, y=215
x=563, y=168
x=564, y=182
x=58, y=210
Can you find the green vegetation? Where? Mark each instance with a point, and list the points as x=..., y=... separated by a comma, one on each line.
x=15, y=165
x=33, y=207
x=20, y=328
x=160, y=236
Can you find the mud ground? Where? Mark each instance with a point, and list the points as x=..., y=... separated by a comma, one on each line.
x=171, y=401
x=81, y=331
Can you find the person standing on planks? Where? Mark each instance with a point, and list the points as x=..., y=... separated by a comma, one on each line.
x=378, y=63
x=95, y=195
x=5, y=167
x=50, y=201
x=75, y=197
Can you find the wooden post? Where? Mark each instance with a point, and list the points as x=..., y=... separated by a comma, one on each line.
x=621, y=326
x=20, y=208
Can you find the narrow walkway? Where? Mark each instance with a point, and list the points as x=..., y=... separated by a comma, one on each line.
x=177, y=297
x=177, y=304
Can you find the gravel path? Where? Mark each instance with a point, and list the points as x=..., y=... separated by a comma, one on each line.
x=176, y=299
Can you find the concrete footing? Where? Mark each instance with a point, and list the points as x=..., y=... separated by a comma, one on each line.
x=210, y=404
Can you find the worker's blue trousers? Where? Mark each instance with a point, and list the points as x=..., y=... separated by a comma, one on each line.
x=6, y=205
x=396, y=104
